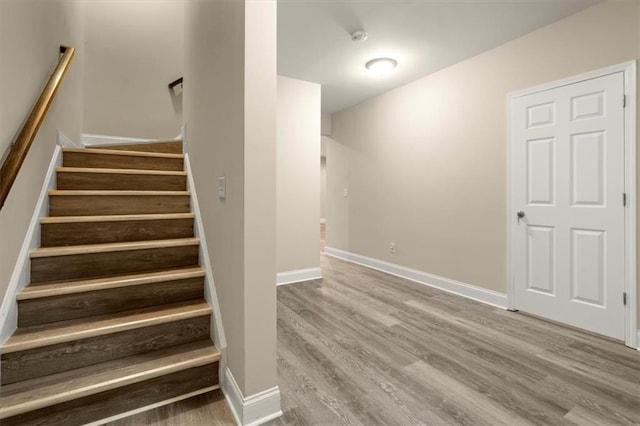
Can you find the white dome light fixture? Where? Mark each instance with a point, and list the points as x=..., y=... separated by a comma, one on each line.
x=381, y=66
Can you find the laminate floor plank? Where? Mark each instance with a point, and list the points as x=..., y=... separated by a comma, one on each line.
x=361, y=347
x=209, y=409
x=312, y=391
x=512, y=392
x=345, y=366
x=591, y=399
x=512, y=373
x=367, y=363
x=342, y=323
x=472, y=364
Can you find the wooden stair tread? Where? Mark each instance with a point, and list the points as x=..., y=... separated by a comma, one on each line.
x=84, y=286
x=122, y=153
x=116, y=218
x=33, y=394
x=120, y=171
x=111, y=247
x=71, y=192
x=67, y=331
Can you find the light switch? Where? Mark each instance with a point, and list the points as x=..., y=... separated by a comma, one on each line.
x=345, y=192
x=222, y=188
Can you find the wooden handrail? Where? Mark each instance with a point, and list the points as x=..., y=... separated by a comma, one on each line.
x=20, y=148
x=175, y=83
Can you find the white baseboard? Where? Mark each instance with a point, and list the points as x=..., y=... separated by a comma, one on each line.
x=253, y=410
x=638, y=341
x=22, y=271
x=469, y=291
x=297, y=276
x=89, y=139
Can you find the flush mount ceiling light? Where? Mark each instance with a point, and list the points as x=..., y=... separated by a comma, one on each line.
x=381, y=66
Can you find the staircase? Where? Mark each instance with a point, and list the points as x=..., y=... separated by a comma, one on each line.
x=114, y=318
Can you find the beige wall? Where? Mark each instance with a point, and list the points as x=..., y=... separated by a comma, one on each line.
x=323, y=188
x=426, y=163
x=134, y=49
x=325, y=124
x=298, y=175
x=338, y=217
x=260, y=106
x=215, y=29
x=638, y=171
x=30, y=35
x=229, y=113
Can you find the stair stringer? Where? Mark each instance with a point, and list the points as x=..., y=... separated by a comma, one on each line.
x=21, y=275
x=210, y=294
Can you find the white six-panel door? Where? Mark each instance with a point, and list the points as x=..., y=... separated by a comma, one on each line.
x=568, y=184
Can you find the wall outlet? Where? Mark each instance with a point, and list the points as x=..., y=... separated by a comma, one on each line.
x=392, y=248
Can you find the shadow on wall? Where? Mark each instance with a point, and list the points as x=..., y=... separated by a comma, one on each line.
x=176, y=99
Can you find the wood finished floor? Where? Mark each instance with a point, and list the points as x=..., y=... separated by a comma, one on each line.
x=365, y=348
x=209, y=409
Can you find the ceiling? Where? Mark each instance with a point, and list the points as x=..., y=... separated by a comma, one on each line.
x=424, y=36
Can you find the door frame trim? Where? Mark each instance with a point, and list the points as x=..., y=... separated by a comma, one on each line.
x=630, y=245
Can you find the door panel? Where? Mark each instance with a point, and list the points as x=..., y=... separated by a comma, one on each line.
x=541, y=259
x=587, y=266
x=588, y=172
x=590, y=105
x=541, y=115
x=568, y=180
x=540, y=167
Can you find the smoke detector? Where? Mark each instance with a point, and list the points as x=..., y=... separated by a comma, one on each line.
x=359, y=35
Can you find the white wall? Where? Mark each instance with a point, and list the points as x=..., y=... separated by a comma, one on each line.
x=134, y=49
x=230, y=116
x=31, y=33
x=426, y=163
x=298, y=175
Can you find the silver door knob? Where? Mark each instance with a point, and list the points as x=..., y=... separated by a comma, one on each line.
x=520, y=215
